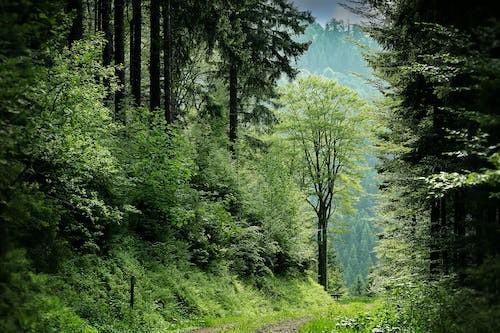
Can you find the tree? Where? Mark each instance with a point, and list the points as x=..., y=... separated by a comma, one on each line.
x=154, y=62
x=167, y=59
x=107, y=54
x=257, y=43
x=135, y=51
x=75, y=8
x=327, y=123
x=119, y=56
x=442, y=68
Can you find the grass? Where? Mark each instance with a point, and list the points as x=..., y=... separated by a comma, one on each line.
x=91, y=294
x=347, y=315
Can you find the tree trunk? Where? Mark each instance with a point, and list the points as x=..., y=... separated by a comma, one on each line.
x=119, y=57
x=154, y=66
x=135, y=51
x=97, y=15
x=75, y=7
x=167, y=59
x=459, y=231
x=434, y=257
x=108, y=32
x=444, y=235
x=107, y=54
x=322, y=249
x=233, y=102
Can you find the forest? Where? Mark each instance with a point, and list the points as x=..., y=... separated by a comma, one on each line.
x=239, y=166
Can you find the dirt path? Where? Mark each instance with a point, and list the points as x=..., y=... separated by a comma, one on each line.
x=287, y=326
x=215, y=329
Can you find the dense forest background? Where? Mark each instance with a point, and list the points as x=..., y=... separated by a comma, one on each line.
x=169, y=165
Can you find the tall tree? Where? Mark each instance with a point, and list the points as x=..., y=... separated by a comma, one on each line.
x=97, y=15
x=154, y=62
x=438, y=62
x=328, y=125
x=167, y=60
x=233, y=101
x=107, y=54
x=257, y=43
x=75, y=8
x=135, y=51
x=119, y=56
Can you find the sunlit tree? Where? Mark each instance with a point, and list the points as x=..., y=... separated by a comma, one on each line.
x=327, y=126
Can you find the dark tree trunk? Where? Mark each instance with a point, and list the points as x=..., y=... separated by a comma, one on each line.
x=322, y=254
x=119, y=57
x=107, y=54
x=435, y=240
x=233, y=102
x=154, y=66
x=322, y=239
x=75, y=8
x=444, y=235
x=167, y=60
x=459, y=231
x=135, y=51
x=97, y=15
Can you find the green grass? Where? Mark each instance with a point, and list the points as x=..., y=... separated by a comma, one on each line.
x=91, y=294
x=347, y=315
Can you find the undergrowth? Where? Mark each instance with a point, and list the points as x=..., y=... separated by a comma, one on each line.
x=91, y=293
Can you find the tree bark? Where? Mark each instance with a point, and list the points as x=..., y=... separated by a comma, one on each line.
x=167, y=60
x=233, y=102
x=107, y=54
x=443, y=235
x=119, y=57
x=434, y=257
x=75, y=7
x=324, y=271
x=154, y=66
x=97, y=15
x=322, y=239
x=459, y=231
x=135, y=51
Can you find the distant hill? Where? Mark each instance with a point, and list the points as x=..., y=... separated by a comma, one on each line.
x=336, y=52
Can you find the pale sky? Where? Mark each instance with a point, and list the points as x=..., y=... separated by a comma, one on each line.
x=324, y=10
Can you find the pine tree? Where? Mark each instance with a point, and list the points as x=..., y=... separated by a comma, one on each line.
x=75, y=8
x=135, y=51
x=167, y=59
x=107, y=55
x=258, y=46
x=154, y=62
x=119, y=56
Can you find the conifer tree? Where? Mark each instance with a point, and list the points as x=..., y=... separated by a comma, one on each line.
x=258, y=46
x=135, y=51
x=119, y=56
x=75, y=7
x=154, y=62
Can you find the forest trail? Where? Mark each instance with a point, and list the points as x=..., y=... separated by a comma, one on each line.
x=284, y=326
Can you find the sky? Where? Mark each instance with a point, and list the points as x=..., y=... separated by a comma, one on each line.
x=324, y=10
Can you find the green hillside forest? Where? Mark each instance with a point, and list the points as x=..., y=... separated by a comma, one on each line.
x=236, y=166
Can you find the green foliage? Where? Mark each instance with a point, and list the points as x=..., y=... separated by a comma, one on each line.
x=320, y=117
x=91, y=293
x=158, y=163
